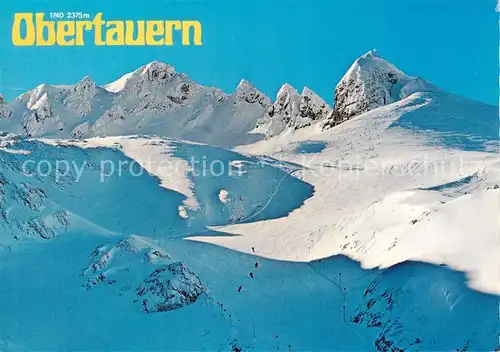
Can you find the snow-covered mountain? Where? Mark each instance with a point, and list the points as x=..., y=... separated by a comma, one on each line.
x=153, y=100
x=128, y=240
x=293, y=111
x=369, y=83
x=157, y=100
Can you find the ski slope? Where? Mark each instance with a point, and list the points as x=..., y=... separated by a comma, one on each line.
x=94, y=278
x=369, y=226
x=381, y=194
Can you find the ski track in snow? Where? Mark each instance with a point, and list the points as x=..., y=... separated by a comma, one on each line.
x=347, y=220
x=341, y=218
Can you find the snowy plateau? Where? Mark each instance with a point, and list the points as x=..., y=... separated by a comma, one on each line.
x=368, y=223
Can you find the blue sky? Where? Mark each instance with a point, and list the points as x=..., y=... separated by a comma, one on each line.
x=452, y=43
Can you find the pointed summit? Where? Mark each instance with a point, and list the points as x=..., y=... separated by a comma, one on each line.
x=87, y=80
x=293, y=111
x=244, y=84
x=287, y=103
x=307, y=92
x=312, y=107
x=157, y=72
x=370, y=54
x=247, y=92
x=243, y=87
x=157, y=66
x=286, y=89
x=85, y=86
x=369, y=83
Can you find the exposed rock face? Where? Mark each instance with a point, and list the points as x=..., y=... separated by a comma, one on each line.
x=312, y=107
x=248, y=93
x=378, y=311
x=371, y=82
x=26, y=212
x=81, y=96
x=5, y=112
x=170, y=287
x=293, y=111
x=110, y=262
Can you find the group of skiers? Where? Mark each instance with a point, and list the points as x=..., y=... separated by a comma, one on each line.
x=251, y=273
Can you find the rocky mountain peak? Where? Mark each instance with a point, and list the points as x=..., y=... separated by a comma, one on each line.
x=286, y=90
x=292, y=110
x=244, y=85
x=247, y=92
x=154, y=74
x=369, y=83
x=157, y=71
x=371, y=54
x=5, y=112
x=312, y=106
x=85, y=84
x=81, y=95
x=286, y=104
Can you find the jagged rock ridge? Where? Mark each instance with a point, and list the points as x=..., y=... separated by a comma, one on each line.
x=157, y=100
x=293, y=111
x=153, y=100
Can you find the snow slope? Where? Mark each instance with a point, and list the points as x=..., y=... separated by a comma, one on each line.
x=132, y=284
x=380, y=233
x=380, y=194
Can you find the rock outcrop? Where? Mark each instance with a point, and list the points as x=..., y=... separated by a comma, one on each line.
x=371, y=82
x=170, y=287
x=293, y=111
